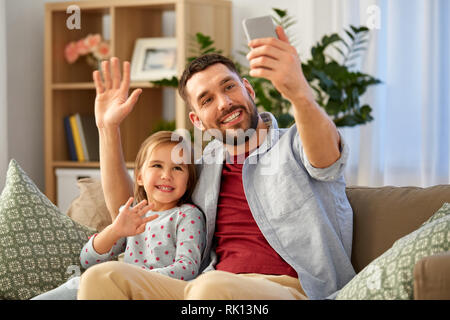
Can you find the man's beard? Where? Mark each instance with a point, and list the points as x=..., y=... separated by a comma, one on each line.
x=240, y=136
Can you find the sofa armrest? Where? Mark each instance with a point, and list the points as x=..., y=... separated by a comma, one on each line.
x=432, y=278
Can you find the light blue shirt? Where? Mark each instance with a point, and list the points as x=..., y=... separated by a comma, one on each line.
x=302, y=211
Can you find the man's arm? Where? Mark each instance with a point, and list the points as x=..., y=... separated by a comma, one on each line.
x=112, y=106
x=278, y=61
x=318, y=133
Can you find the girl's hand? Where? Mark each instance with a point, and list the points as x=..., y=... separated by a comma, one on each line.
x=112, y=104
x=132, y=221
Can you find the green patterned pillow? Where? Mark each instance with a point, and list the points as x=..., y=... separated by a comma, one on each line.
x=442, y=212
x=39, y=246
x=390, y=276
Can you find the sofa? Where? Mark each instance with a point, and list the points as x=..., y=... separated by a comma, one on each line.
x=382, y=215
x=400, y=250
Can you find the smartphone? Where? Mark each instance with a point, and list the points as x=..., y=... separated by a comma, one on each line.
x=259, y=27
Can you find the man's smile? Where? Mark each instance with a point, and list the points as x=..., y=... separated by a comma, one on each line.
x=232, y=116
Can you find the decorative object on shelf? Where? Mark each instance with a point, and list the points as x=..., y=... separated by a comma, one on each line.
x=153, y=59
x=199, y=44
x=91, y=46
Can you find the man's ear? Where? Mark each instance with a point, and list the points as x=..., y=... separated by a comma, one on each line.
x=196, y=120
x=249, y=88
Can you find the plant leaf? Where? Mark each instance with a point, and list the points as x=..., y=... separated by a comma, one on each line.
x=350, y=35
x=339, y=50
x=281, y=13
x=172, y=82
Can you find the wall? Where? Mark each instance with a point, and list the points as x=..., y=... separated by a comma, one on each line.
x=24, y=53
x=3, y=101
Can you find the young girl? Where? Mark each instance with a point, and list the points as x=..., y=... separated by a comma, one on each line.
x=170, y=242
x=163, y=232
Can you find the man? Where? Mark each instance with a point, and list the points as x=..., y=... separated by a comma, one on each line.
x=279, y=225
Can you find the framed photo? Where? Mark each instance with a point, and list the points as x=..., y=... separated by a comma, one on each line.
x=154, y=59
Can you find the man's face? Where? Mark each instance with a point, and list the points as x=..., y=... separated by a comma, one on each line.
x=222, y=101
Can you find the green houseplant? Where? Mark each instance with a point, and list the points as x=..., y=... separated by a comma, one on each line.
x=337, y=85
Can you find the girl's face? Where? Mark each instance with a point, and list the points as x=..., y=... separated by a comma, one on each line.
x=164, y=181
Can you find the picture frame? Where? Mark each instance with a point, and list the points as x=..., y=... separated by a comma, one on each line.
x=153, y=59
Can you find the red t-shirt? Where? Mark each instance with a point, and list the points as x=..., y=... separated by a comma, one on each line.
x=241, y=247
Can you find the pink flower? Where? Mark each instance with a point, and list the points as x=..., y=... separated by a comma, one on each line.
x=102, y=51
x=82, y=47
x=71, y=52
x=92, y=46
x=92, y=41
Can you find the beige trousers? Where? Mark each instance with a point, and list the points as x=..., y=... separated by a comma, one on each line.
x=121, y=281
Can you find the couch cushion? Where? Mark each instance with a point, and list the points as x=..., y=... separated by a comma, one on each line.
x=89, y=209
x=383, y=215
x=390, y=276
x=40, y=246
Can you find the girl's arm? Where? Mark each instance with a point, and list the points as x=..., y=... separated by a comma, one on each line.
x=129, y=222
x=112, y=106
x=191, y=240
x=105, y=240
x=89, y=256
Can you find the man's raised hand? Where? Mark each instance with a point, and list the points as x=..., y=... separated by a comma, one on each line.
x=278, y=61
x=112, y=103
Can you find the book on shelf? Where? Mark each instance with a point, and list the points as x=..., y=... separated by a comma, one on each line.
x=84, y=133
x=76, y=138
x=79, y=127
x=90, y=132
x=70, y=141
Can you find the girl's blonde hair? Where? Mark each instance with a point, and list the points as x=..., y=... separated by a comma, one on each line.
x=163, y=138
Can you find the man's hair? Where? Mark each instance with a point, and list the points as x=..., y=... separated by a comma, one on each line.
x=200, y=64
